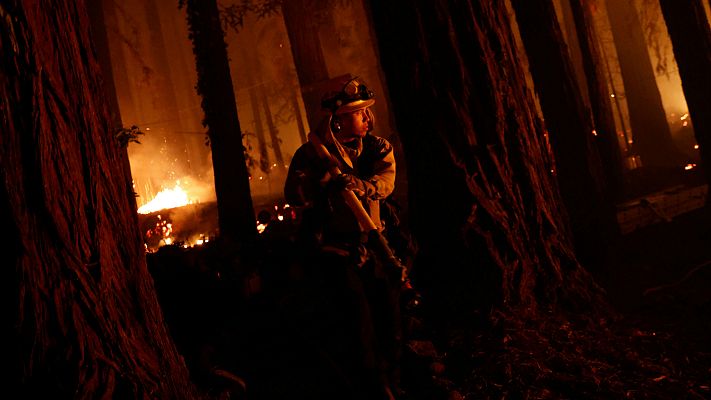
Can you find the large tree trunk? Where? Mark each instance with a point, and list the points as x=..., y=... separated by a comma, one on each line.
x=86, y=322
x=691, y=38
x=301, y=19
x=652, y=136
x=603, y=116
x=234, y=203
x=478, y=164
x=577, y=162
x=101, y=39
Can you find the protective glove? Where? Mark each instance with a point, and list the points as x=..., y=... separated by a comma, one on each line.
x=349, y=182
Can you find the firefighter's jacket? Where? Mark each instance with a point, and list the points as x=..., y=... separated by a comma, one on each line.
x=370, y=159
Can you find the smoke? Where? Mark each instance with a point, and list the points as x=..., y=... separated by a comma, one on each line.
x=158, y=163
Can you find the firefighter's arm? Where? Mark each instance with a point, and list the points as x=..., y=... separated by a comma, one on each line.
x=304, y=179
x=378, y=186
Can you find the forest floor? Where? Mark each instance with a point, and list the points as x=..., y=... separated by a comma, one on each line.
x=656, y=344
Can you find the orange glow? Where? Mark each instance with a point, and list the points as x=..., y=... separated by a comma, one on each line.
x=167, y=198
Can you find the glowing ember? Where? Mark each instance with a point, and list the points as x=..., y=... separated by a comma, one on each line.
x=689, y=166
x=261, y=228
x=168, y=198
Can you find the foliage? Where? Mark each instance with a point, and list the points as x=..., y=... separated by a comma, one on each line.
x=232, y=16
x=248, y=149
x=127, y=135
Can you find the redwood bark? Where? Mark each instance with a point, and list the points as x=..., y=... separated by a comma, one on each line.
x=689, y=30
x=85, y=320
x=479, y=168
x=234, y=203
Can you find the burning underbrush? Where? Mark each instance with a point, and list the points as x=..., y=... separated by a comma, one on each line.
x=187, y=226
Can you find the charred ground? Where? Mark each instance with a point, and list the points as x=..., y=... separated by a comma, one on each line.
x=238, y=316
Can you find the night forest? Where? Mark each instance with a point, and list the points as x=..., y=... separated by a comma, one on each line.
x=553, y=162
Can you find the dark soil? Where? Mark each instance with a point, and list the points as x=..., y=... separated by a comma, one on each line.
x=237, y=317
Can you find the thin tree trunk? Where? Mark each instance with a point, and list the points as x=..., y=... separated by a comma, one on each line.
x=259, y=128
x=299, y=119
x=577, y=162
x=652, y=136
x=254, y=102
x=273, y=130
x=168, y=112
x=691, y=38
x=599, y=97
x=118, y=61
x=234, y=203
x=477, y=161
x=85, y=320
x=182, y=67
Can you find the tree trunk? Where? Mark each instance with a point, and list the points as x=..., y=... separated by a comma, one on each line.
x=263, y=162
x=691, y=38
x=603, y=116
x=168, y=112
x=86, y=322
x=120, y=79
x=571, y=34
x=300, y=17
x=479, y=169
x=652, y=136
x=273, y=130
x=577, y=162
x=101, y=40
x=297, y=112
x=234, y=203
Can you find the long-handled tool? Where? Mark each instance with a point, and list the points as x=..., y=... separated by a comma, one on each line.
x=376, y=240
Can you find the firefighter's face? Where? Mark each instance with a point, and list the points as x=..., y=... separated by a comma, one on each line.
x=354, y=125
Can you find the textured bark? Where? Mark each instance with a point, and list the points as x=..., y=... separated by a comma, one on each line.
x=652, y=136
x=689, y=30
x=85, y=320
x=302, y=27
x=603, y=116
x=484, y=205
x=234, y=203
x=101, y=40
x=577, y=163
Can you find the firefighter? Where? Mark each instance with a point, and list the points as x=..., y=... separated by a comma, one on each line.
x=364, y=295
